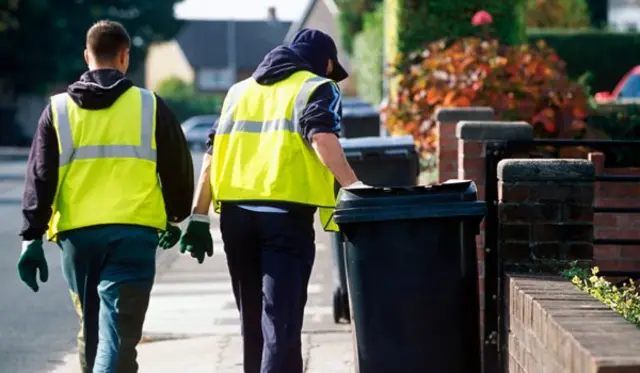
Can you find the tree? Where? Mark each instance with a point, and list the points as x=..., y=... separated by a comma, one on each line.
x=367, y=55
x=351, y=18
x=557, y=14
x=45, y=47
x=185, y=101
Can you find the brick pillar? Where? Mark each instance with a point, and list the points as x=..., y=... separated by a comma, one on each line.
x=472, y=137
x=447, y=148
x=546, y=214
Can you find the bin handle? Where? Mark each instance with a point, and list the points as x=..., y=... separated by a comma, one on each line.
x=404, y=152
x=354, y=154
x=361, y=155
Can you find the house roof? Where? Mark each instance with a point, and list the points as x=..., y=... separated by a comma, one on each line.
x=299, y=24
x=206, y=43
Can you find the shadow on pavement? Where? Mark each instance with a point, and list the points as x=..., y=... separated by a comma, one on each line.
x=10, y=201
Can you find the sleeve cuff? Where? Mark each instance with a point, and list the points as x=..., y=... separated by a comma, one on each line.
x=201, y=218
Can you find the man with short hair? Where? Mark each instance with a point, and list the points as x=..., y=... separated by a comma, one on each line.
x=273, y=158
x=109, y=168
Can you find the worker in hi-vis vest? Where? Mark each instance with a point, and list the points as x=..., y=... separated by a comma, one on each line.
x=270, y=166
x=108, y=177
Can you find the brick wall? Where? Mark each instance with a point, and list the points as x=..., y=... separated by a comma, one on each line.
x=546, y=222
x=472, y=137
x=545, y=213
x=447, y=145
x=613, y=225
x=556, y=328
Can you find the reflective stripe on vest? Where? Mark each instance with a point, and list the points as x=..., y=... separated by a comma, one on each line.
x=258, y=131
x=69, y=152
x=227, y=125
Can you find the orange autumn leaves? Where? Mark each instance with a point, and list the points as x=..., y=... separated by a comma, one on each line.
x=520, y=82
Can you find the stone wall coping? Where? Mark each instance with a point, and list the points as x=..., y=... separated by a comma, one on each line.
x=456, y=114
x=493, y=130
x=562, y=170
x=601, y=334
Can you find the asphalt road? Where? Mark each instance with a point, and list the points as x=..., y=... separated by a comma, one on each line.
x=36, y=329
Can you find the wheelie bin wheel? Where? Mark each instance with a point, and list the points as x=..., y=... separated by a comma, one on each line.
x=338, y=307
x=346, y=313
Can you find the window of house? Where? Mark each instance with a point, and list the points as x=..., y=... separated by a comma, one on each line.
x=214, y=79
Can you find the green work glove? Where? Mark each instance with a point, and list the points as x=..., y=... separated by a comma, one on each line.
x=31, y=261
x=196, y=239
x=170, y=236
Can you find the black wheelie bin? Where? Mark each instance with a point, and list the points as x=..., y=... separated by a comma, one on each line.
x=359, y=119
x=412, y=274
x=376, y=161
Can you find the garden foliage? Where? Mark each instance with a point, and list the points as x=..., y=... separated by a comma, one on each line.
x=625, y=299
x=185, y=101
x=557, y=13
x=368, y=58
x=421, y=22
x=608, y=58
x=519, y=82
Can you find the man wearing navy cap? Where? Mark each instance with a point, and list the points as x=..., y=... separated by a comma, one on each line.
x=272, y=162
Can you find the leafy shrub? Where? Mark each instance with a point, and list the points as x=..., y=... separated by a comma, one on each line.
x=608, y=57
x=619, y=122
x=351, y=19
x=557, y=13
x=520, y=82
x=625, y=300
x=423, y=22
x=368, y=58
x=185, y=101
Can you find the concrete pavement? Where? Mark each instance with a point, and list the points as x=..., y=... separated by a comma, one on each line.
x=192, y=324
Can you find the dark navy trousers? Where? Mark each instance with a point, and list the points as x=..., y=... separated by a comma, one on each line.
x=110, y=271
x=270, y=256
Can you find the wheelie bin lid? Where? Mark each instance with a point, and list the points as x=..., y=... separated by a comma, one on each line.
x=451, y=199
x=378, y=145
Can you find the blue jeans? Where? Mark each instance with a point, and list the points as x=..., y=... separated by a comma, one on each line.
x=270, y=256
x=110, y=271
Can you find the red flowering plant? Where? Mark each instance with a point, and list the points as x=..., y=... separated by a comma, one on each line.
x=519, y=82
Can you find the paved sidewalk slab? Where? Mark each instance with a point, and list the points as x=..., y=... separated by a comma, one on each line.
x=323, y=353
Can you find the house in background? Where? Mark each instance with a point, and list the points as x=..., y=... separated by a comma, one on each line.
x=213, y=55
x=323, y=15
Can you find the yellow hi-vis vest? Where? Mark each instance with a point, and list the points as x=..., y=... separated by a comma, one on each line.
x=107, y=172
x=260, y=154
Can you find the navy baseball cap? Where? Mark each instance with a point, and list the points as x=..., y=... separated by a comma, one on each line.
x=318, y=46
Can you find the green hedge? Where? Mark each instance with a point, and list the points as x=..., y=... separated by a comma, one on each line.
x=618, y=122
x=421, y=22
x=351, y=19
x=368, y=50
x=183, y=99
x=187, y=107
x=606, y=55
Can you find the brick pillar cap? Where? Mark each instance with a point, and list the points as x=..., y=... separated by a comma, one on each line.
x=567, y=170
x=493, y=130
x=456, y=114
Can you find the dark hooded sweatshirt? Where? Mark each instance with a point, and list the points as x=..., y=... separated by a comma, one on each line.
x=96, y=90
x=322, y=114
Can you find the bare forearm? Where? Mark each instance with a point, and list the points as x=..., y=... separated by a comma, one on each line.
x=331, y=155
x=202, y=200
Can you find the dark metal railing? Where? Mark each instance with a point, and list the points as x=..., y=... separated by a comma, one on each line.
x=495, y=335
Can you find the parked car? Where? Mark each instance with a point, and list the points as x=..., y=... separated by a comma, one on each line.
x=196, y=130
x=628, y=88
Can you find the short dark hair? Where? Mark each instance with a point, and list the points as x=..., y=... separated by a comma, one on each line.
x=105, y=39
